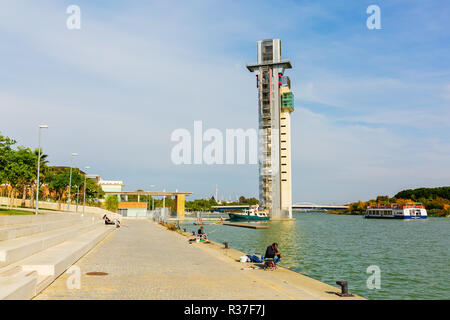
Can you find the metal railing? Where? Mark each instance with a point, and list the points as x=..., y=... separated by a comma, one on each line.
x=159, y=215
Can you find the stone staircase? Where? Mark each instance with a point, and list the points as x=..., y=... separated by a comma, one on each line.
x=36, y=249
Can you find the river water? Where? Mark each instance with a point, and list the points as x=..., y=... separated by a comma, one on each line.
x=413, y=256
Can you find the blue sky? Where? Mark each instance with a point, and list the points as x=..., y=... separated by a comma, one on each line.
x=372, y=107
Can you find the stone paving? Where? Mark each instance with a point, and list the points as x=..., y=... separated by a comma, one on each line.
x=143, y=260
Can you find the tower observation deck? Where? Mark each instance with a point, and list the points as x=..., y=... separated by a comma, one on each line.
x=275, y=104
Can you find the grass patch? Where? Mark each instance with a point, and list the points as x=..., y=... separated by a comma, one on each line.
x=172, y=227
x=13, y=212
x=40, y=208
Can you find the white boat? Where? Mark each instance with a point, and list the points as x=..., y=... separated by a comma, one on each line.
x=397, y=211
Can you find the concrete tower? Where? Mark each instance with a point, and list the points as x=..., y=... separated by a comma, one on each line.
x=275, y=103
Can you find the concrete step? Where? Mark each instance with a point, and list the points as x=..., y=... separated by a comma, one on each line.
x=20, y=285
x=42, y=283
x=28, y=277
x=19, y=248
x=21, y=230
x=57, y=259
x=28, y=219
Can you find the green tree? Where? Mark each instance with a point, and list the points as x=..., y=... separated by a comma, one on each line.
x=57, y=183
x=93, y=191
x=427, y=193
x=29, y=173
x=199, y=205
x=383, y=199
x=5, y=147
x=250, y=201
x=212, y=202
x=19, y=170
x=112, y=203
x=57, y=180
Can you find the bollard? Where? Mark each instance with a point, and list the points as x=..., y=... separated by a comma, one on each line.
x=226, y=245
x=344, y=289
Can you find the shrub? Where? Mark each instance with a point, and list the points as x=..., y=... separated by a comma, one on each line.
x=111, y=203
x=171, y=226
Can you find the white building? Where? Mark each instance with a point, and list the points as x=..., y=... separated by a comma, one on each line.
x=107, y=185
x=275, y=104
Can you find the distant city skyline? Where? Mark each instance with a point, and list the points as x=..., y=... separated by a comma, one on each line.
x=372, y=107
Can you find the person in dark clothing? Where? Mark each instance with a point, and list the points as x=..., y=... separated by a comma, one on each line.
x=272, y=253
x=201, y=233
x=107, y=220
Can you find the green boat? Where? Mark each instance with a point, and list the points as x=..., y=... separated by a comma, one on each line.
x=250, y=215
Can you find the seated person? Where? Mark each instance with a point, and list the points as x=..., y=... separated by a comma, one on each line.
x=201, y=233
x=272, y=253
x=107, y=220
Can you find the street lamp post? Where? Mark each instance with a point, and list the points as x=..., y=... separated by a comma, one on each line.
x=84, y=196
x=78, y=196
x=70, y=179
x=36, y=208
x=153, y=198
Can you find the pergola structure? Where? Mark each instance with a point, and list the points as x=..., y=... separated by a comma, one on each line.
x=180, y=197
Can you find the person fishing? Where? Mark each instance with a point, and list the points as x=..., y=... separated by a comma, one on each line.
x=272, y=253
x=201, y=233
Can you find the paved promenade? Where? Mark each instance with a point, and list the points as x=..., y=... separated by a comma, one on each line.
x=145, y=261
